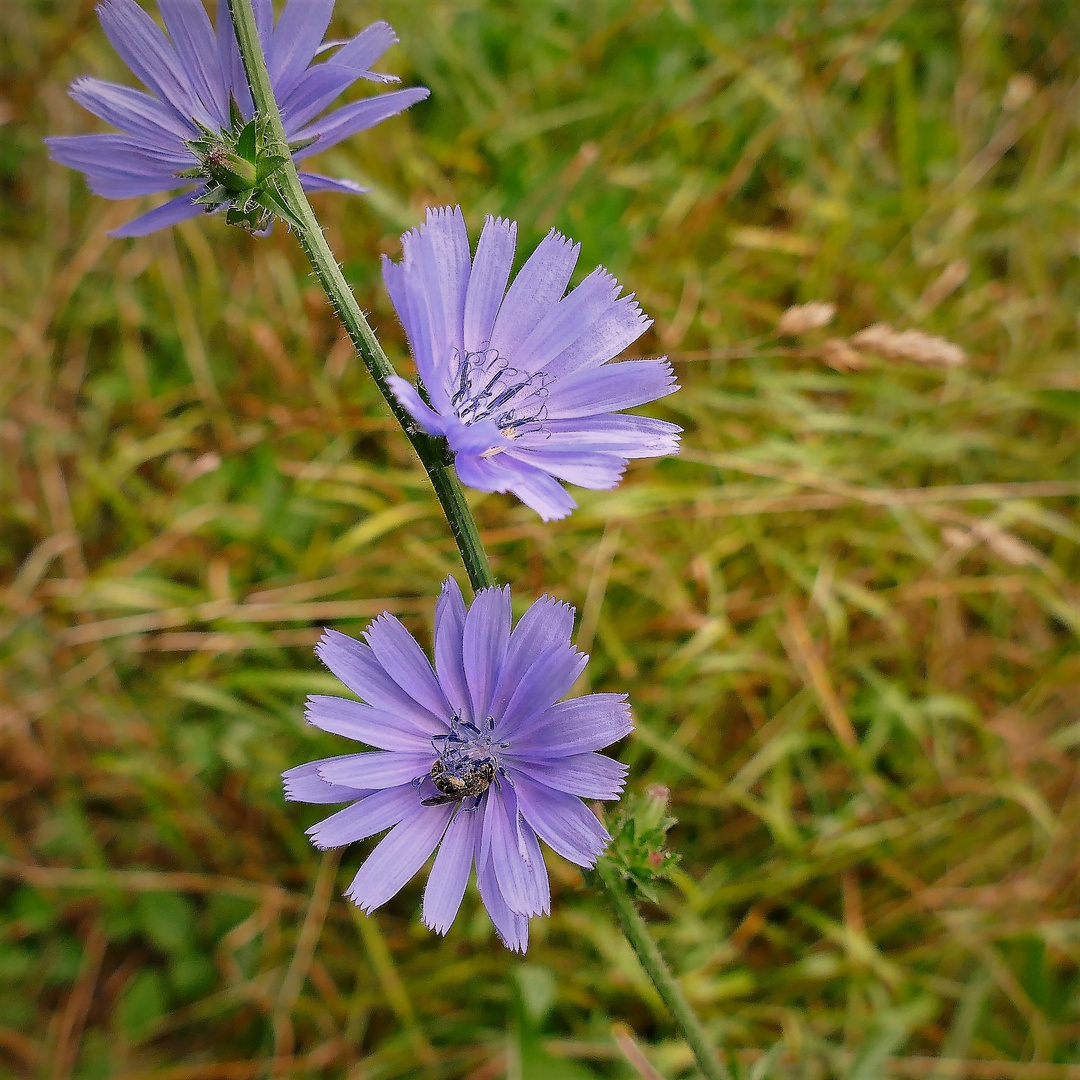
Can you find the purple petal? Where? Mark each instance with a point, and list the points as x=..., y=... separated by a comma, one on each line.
x=172, y=212
x=553, y=344
x=534, y=859
x=449, y=631
x=404, y=286
x=314, y=91
x=532, y=486
x=445, y=263
x=605, y=335
x=474, y=439
x=196, y=46
x=589, y=776
x=520, y=871
x=547, y=623
x=384, y=730
x=146, y=50
x=358, y=116
x=109, y=187
x=295, y=40
x=513, y=929
x=450, y=871
x=303, y=784
x=398, y=856
x=484, y=642
x=416, y=407
x=543, y=493
x=366, y=47
x=133, y=112
x=538, y=286
x=232, y=67
x=355, y=665
x=610, y=388
x=108, y=155
x=377, y=769
x=264, y=21
x=548, y=677
x=562, y=821
x=487, y=282
x=318, y=182
x=601, y=472
x=396, y=650
x=624, y=434
x=428, y=292
x=575, y=726
x=365, y=818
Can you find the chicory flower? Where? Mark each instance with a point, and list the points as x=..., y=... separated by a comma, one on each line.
x=477, y=757
x=192, y=129
x=518, y=380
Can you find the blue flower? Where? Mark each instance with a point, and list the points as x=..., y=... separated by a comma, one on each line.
x=478, y=757
x=518, y=379
x=197, y=86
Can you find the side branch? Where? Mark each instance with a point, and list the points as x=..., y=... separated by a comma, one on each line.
x=434, y=456
x=648, y=954
x=432, y=452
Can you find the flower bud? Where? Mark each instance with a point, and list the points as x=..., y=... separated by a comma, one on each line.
x=233, y=172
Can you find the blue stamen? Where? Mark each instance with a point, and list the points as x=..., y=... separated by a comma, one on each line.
x=473, y=402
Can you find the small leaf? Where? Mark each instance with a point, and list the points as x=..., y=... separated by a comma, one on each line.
x=167, y=920
x=273, y=202
x=245, y=143
x=268, y=166
x=214, y=195
x=538, y=989
x=144, y=1001
x=639, y=832
x=192, y=976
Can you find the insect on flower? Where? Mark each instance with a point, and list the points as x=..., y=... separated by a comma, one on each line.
x=477, y=757
x=197, y=129
x=466, y=779
x=517, y=380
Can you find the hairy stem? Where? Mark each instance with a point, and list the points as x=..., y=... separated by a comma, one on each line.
x=434, y=457
x=648, y=954
x=432, y=452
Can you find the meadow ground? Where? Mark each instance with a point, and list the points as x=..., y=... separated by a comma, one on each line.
x=847, y=614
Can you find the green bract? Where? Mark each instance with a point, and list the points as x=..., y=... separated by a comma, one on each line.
x=239, y=166
x=638, y=834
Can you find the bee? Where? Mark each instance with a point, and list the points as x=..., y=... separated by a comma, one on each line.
x=472, y=780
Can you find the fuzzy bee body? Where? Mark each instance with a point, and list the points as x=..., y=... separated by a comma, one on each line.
x=463, y=783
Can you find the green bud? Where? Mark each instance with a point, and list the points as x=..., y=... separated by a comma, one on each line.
x=638, y=835
x=233, y=172
x=237, y=166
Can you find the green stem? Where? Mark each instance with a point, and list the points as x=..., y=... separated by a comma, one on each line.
x=431, y=451
x=637, y=933
x=435, y=459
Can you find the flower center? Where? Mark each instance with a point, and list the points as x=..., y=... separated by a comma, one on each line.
x=467, y=763
x=486, y=387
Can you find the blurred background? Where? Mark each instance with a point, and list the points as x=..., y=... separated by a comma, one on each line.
x=847, y=615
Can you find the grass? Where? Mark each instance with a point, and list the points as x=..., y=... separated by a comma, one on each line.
x=847, y=615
